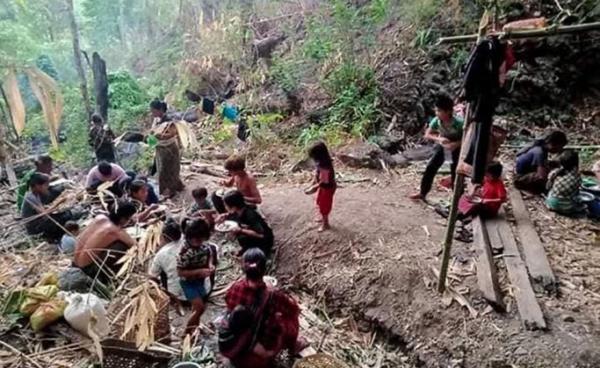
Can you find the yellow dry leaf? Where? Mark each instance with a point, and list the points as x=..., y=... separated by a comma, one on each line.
x=187, y=138
x=46, y=91
x=15, y=101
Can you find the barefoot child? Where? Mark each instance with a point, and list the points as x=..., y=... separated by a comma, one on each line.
x=241, y=180
x=491, y=197
x=446, y=131
x=324, y=182
x=194, y=266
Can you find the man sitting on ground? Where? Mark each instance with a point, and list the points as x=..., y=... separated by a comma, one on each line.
x=43, y=164
x=532, y=167
x=243, y=182
x=105, y=172
x=104, y=242
x=40, y=220
x=253, y=230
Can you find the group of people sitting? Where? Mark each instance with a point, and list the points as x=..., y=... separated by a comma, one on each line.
x=534, y=172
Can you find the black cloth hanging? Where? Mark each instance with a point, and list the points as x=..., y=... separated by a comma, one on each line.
x=208, y=106
x=482, y=91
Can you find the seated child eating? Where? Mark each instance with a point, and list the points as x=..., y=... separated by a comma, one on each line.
x=69, y=240
x=242, y=180
x=492, y=195
x=203, y=206
x=564, y=184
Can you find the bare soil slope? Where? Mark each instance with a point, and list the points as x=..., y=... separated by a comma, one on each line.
x=376, y=264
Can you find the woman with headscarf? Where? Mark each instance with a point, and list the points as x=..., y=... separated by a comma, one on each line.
x=168, y=156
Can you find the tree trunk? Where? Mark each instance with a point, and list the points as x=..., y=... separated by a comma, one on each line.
x=100, y=85
x=78, y=62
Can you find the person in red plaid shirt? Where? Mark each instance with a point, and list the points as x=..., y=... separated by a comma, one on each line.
x=280, y=320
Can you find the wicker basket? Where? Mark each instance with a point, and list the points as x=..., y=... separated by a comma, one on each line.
x=319, y=361
x=123, y=354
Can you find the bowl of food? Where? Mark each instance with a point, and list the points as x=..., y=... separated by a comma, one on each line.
x=310, y=190
x=220, y=192
x=586, y=197
x=227, y=226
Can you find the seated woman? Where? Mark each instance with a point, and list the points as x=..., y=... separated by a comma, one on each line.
x=274, y=318
x=102, y=243
x=564, y=184
x=488, y=202
x=531, y=170
x=196, y=265
x=242, y=180
x=253, y=230
x=138, y=194
x=39, y=219
x=105, y=172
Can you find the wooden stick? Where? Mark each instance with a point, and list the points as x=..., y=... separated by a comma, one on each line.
x=14, y=350
x=512, y=35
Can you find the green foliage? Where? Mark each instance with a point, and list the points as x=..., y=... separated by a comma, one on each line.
x=127, y=100
x=354, y=90
x=333, y=134
x=420, y=12
x=286, y=73
x=223, y=134
x=319, y=43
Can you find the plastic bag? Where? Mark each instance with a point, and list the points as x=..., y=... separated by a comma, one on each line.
x=47, y=313
x=36, y=296
x=87, y=311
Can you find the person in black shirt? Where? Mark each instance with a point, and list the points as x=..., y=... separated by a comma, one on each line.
x=253, y=232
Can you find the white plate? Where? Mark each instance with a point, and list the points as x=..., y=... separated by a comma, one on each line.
x=270, y=281
x=227, y=226
x=220, y=193
x=586, y=197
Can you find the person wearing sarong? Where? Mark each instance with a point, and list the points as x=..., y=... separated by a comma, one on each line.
x=168, y=156
x=532, y=165
x=273, y=324
x=564, y=184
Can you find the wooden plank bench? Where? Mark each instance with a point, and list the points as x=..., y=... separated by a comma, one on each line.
x=531, y=244
x=529, y=309
x=487, y=278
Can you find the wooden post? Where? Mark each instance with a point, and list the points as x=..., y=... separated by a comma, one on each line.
x=459, y=181
x=100, y=85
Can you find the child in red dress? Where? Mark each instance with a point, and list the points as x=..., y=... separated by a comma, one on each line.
x=490, y=199
x=324, y=182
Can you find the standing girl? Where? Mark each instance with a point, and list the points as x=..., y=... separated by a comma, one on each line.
x=324, y=182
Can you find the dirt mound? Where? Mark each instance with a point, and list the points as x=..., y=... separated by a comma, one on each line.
x=376, y=265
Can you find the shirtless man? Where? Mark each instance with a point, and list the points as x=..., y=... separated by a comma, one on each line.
x=241, y=180
x=104, y=242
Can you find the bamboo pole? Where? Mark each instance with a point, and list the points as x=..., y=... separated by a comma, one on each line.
x=459, y=181
x=512, y=35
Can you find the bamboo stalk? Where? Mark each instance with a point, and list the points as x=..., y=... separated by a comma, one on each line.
x=512, y=35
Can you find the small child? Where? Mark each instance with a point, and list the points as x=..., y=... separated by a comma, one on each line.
x=445, y=129
x=69, y=240
x=195, y=264
x=201, y=201
x=242, y=180
x=324, y=182
x=564, y=184
x=492, y=195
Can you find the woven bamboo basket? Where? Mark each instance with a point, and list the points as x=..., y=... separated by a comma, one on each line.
x=123, y=354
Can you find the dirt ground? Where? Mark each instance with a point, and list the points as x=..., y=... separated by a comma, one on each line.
x=376, y=264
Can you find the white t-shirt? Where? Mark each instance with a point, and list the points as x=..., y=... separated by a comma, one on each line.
x=165, y=261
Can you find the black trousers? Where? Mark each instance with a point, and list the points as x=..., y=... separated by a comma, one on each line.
x=434, y=165
x=105, y=265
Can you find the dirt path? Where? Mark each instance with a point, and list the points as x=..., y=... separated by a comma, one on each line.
x=375, y=264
